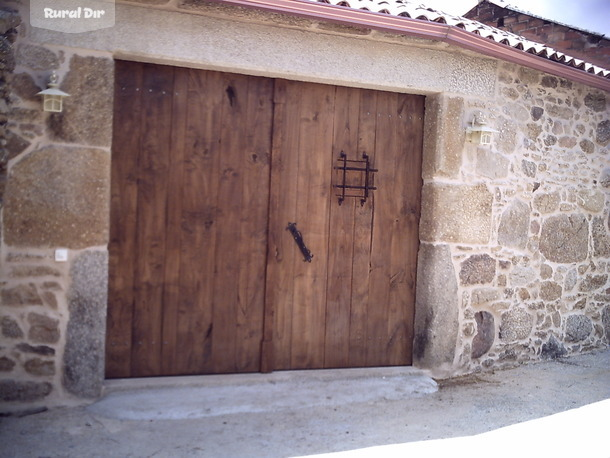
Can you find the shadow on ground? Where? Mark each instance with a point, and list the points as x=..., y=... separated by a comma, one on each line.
x=551, y=408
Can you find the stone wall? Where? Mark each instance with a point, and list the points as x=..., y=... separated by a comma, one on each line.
x=588, y=46
x=9, y=21
x=519, y=230
x=52, y=314
x=515, y=252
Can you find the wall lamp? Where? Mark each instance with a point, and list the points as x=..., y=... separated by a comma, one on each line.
x=478, y=132
x=52, y=96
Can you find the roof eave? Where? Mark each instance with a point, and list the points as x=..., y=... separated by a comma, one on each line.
x=528, y=13
x=423, y=29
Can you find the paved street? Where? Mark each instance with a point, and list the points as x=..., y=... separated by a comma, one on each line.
x=554, y=408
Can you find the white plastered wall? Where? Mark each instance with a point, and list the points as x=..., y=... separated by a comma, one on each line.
x=237, y=45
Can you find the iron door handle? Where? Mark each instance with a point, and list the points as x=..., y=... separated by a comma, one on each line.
x=298, y=238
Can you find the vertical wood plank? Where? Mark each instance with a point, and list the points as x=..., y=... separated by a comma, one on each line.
x=341, y=236
x=171, y=343
x=230, y=196
x=412, y=109
x=199, y=222
x=363, y=231
x=123, y=211
x=379, y=281
x=152, y=201
x=313, y=184
x=281, y=257
x=254, y=214
x=399, y=293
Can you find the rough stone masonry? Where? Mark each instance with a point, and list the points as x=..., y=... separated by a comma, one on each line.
x=531, y=261
x=55, y=195
x=514, y=262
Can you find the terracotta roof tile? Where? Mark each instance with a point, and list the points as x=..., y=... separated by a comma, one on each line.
x=408, y=9
x=518, y=10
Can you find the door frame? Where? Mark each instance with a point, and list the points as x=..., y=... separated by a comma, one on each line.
x=267, y=340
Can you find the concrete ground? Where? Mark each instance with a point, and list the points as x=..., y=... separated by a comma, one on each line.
x=557, y=408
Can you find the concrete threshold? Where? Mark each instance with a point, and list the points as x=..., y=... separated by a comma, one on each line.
x=189, y=397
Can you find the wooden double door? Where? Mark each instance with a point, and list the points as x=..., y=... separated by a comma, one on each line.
x=208, y=170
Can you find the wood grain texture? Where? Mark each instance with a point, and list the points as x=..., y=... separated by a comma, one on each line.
x=153, y=168
x=314, y=188
x=198, y=223
x=379, y=277
x=341, y=235
x=170, y=337
x=253, y=222
x=208, y=170
x=282, y=257
x=363, y=226
x=123, y=217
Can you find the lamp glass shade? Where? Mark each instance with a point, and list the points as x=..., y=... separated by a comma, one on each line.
x=53, y=97
x=53, y=103
x=480, y=133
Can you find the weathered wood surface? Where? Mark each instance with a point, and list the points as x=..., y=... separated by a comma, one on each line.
x=208, y=170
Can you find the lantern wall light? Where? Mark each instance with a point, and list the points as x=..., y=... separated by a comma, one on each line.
x=52, y=96
x=478, y=132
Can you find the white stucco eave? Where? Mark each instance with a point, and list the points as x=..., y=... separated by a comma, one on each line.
x=222, y=43
x=425, y=29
